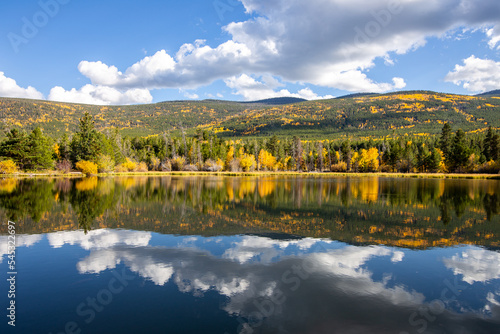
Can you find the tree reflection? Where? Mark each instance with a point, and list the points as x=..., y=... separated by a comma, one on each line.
x=90, y=199
x=27, y=198
x=406, y=212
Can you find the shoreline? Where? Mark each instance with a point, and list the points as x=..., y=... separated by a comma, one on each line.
x=256, y=174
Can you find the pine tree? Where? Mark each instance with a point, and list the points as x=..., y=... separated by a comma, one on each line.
x=15, y=147
x=64, y=149
x=297, y=144
x=495, y=147
x=346, y=151
x=445, y=142
x=39, y=151
x=459, y=151
x=487, y=144
x=434, y=160
x=86, y=143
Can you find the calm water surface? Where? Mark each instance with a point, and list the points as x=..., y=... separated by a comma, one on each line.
x=252, y=255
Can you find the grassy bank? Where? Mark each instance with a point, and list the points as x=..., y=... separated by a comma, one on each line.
x=256, y=174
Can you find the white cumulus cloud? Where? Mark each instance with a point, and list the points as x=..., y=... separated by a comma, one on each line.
x=333, y=50
x=476, y=74
x=252, y=89
x=323, y=43
x=101, y=95
x=494, y=36
x=10, y=88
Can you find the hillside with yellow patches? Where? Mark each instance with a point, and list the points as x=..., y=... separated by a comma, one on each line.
x=418, y=113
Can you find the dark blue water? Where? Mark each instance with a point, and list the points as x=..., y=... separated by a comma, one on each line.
x=124, y=281
x=157, y=255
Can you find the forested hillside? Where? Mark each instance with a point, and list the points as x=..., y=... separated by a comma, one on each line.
x=376, y=115
x=358, y=115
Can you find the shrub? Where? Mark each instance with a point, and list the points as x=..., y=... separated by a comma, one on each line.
x=64, y=166
x=340, y=167
x=130, y=165
x=213, y=166
x=166, y=166
x=141, y=167
x=105, y=163
x=86, y=167
x=490, y=167
x=121, y=169
x=178, y=163
x=385, y=169
x=234, y=165
x=127, y=166
x=8, y=167
x=190, y=168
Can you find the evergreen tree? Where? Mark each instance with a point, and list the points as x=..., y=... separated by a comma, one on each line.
x=39, y=151
x=487, y=144
x=64, y=149
x=272, y=145
x=15, y=147
x=346, y=151
x=445, y=141
x=297, y=144
x=423, y=158
x=495, y=147
x=434, y=160
x=86, y=143
x=459, y=151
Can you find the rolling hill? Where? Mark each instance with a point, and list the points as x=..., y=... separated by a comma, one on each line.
x=490, y=93
x=417, y=112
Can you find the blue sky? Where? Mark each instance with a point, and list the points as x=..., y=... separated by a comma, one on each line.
x=130, y=51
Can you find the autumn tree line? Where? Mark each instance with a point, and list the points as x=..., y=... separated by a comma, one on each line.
x=91, y=151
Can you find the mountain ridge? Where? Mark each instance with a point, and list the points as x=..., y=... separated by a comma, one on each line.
x=358, y=115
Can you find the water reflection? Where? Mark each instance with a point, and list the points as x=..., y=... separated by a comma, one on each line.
x=475, y=265
x=415, y=213
x=299, y=285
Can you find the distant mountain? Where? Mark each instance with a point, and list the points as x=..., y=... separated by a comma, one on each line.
x=490, y=93
x=278, y=101
x=365, y=114
x=351, y=96
x=272, y=101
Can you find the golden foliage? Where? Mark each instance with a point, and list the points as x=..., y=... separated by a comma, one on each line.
x=247, y=162
x=128, y=166
x=86, y=167
x=8, y=167
x=267, y=160
x=229, y=157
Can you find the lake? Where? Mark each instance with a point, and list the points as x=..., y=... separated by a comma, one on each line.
x=268, y=254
